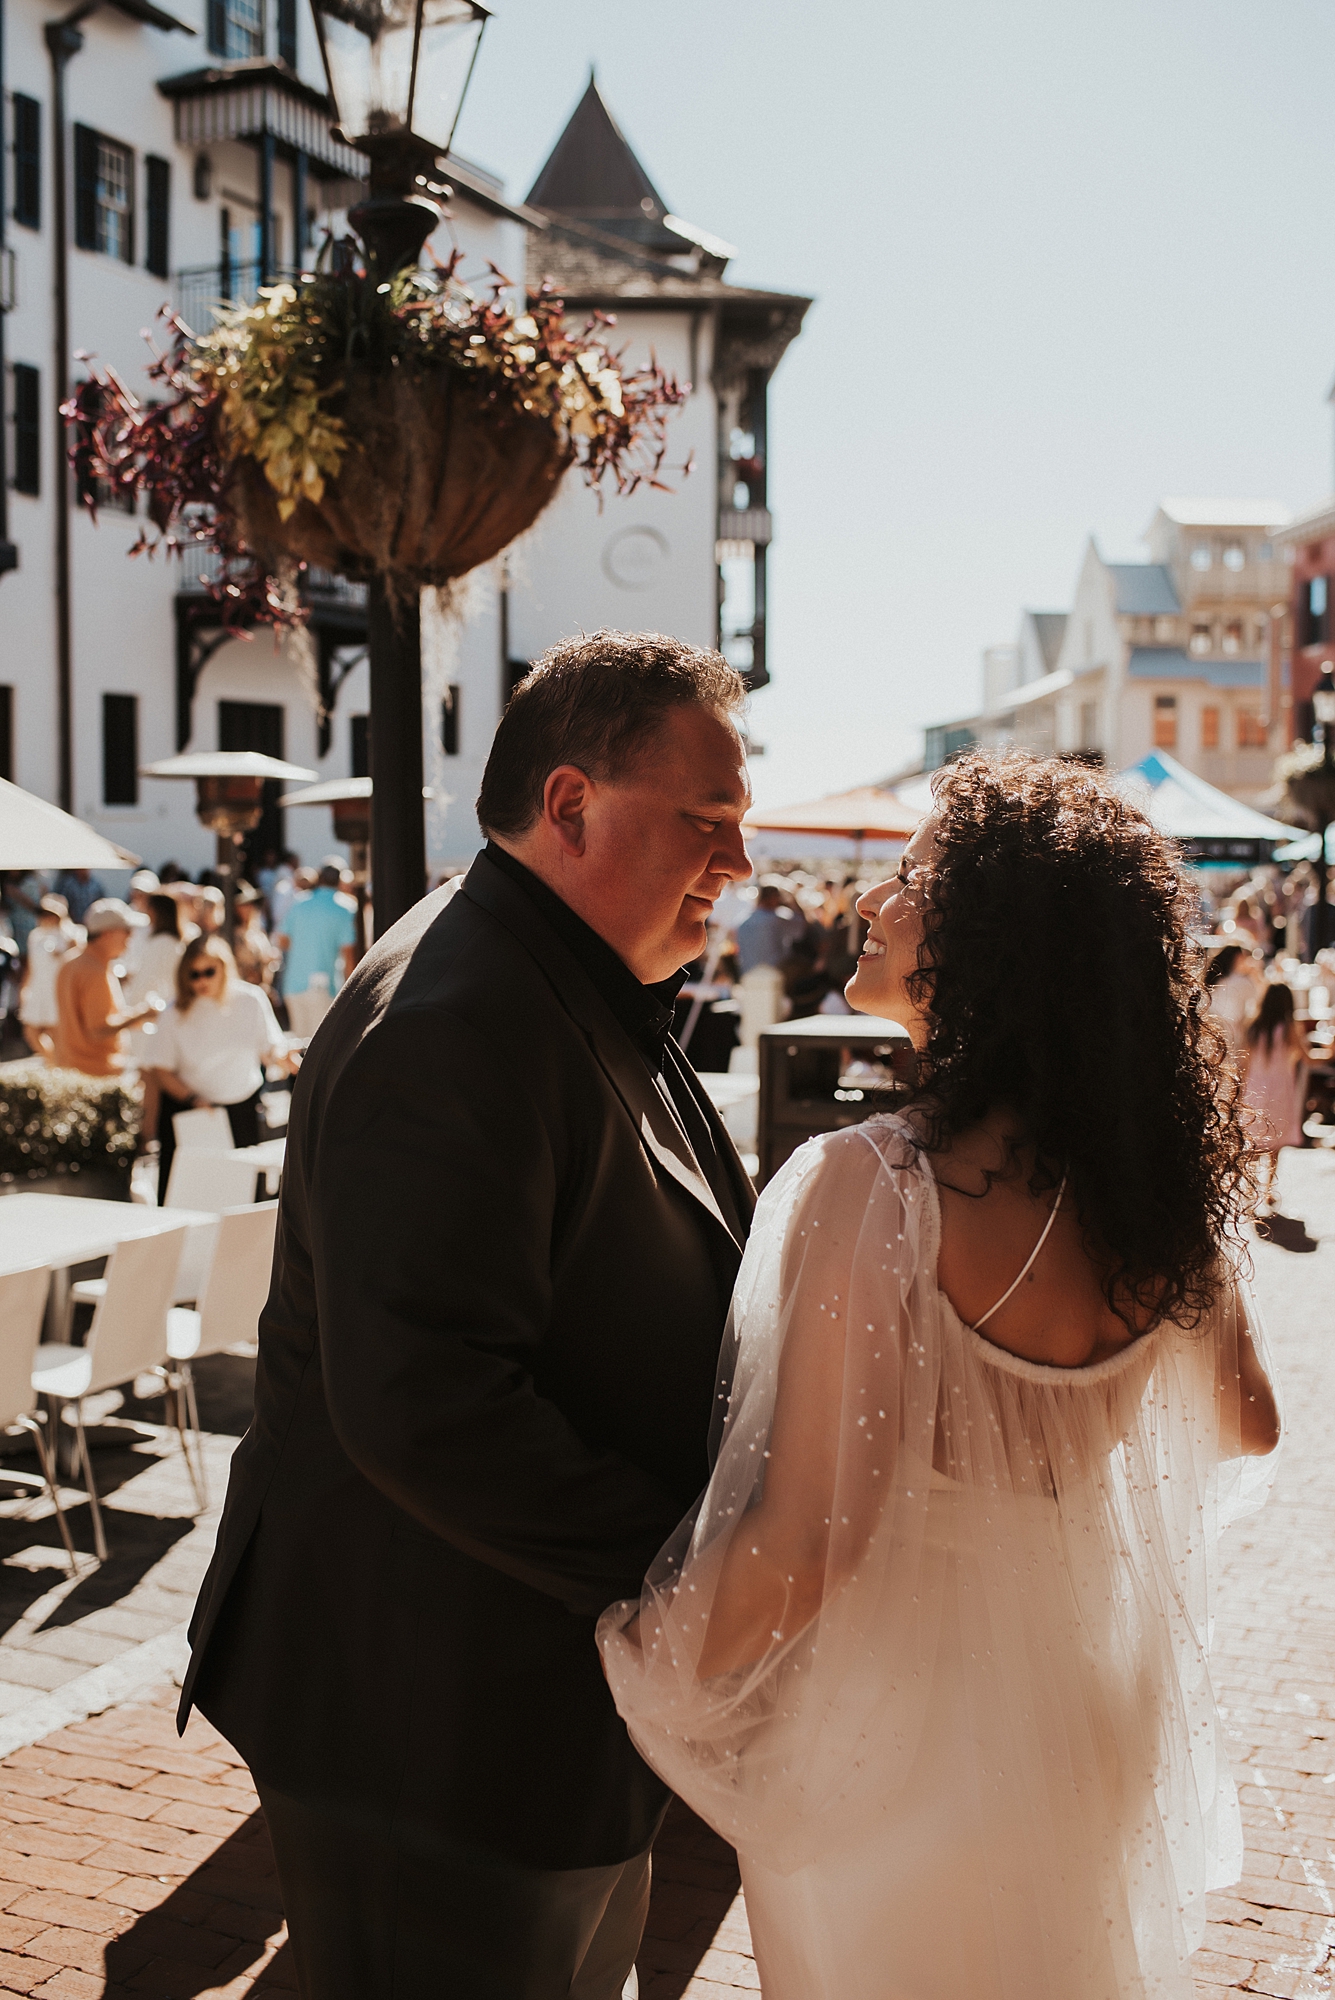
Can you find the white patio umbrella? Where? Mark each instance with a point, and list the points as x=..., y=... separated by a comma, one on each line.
x=36, y=834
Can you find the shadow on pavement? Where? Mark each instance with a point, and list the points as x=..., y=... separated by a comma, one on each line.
x=215, y=1927
x=1286, y=1232
x=695, y=1885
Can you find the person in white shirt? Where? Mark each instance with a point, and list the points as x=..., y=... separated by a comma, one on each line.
x=212, y=1047
x=50, y=938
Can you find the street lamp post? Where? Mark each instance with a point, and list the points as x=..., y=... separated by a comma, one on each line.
x=1323, y=710
x=398, y=71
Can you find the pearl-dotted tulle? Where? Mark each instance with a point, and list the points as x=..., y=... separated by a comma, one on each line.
x=991, y=1766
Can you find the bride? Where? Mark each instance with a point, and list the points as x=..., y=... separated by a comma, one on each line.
x=932, y=1650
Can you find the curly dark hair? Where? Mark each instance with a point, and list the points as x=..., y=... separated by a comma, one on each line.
x=1062, y=981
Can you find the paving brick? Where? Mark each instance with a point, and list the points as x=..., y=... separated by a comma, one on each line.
x=21, y=1975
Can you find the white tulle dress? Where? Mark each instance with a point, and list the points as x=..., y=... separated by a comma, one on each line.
x=990, y=1767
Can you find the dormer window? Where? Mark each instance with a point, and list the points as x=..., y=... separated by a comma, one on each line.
x=1233, y=637
x=1200, y=638
x=1201, y=556
x=1235, y=555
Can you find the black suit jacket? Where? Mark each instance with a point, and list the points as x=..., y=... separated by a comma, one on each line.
x=485, y=1388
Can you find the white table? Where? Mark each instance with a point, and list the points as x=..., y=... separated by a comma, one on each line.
x=60, y=1230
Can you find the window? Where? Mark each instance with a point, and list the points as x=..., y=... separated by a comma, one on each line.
x=1266, y=552
x=120, y=750
x=1200, y=638
x=1235, y=555
x=1314, y=621
x=1233, y=636
x=287, y=32
x=27, y=429
x=1165, y=722
x=257, y=725
x=1209, y=729
x=1251, y=729
x=103, y=195
x=1165, y=628
x=361, y=745
x=236, y=29
x=27, y=161
x=449, y=721
x=89, y=490
x=158, y=175
x=1261, y=631
x=1201, y=556
x=7, y=733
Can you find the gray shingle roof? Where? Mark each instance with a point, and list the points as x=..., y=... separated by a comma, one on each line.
x=1170, y=663
x=1144, y=590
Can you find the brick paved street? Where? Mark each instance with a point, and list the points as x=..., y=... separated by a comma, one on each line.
x=134, y=1864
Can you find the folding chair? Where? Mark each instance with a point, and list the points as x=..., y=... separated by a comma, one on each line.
x=128, y=1337
x=238, y=1284
x=22, y=1310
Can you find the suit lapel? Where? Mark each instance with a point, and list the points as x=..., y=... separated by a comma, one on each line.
x=659, y=1130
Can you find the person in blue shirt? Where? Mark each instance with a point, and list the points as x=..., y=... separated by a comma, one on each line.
x=81, y=889
x=320, y=942
x=765, y=936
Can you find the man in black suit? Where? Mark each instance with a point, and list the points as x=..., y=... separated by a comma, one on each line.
x=510, y=1225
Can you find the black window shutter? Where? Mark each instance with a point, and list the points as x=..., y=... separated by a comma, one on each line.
x=85, y=188
x=217, y=27
x=7, y=733
x=361, y=746
x=158, y=249
x=27, y=429
x=120, y=750
x=287, y=32
x=27, y=161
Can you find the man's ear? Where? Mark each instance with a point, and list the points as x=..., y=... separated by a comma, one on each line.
x=565, y=800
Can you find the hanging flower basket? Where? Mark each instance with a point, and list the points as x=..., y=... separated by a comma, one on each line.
x=437, y=479
x=407, y=431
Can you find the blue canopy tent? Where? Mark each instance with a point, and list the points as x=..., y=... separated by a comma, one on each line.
x=1215, y=829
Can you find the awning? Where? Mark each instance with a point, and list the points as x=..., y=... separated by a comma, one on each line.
x=247, y=100
x=36, y=834
x=1188, y=809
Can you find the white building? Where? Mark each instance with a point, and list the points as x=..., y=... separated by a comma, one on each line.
x=198, y=155
x=1170, y=654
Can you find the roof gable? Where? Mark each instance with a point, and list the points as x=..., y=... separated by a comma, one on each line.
x=593, y=176
x=1143, y=590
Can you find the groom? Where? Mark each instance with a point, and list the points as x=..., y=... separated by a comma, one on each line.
x=509, y=1230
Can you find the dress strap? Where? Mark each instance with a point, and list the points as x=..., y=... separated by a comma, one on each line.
x=1029, y=1261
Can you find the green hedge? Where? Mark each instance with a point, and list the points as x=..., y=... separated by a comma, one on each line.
x=59, y=1121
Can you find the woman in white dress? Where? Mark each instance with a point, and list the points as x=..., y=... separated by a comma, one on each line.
x=931, y=1652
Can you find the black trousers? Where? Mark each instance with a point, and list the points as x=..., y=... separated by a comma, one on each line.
x=244, y=1119
x=381, y=1910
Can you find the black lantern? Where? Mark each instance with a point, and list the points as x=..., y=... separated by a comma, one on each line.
x=398, y=72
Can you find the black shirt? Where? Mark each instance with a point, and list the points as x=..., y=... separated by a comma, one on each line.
x=645, y=1012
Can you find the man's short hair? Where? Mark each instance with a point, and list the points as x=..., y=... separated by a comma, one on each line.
x=596, y=702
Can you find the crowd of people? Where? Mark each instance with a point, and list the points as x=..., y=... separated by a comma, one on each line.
x=151, y=984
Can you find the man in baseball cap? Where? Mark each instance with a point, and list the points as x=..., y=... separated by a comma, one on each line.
x=91, y=1013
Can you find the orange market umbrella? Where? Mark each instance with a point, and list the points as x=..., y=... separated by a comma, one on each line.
x=867, y=813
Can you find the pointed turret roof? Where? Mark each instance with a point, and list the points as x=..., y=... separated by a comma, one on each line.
x=593, y=176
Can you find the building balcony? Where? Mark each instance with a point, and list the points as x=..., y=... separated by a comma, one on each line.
x=196, y=291
x=200, y=566
x=743, y=530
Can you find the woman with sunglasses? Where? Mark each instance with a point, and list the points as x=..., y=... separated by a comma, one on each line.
x=931, y=1652
x=211, y=1047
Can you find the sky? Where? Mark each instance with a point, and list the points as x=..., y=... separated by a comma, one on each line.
x=1067, y=258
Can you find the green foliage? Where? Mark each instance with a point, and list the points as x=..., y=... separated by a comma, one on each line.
x=61, y=1121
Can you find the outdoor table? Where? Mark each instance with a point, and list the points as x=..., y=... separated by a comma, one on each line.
x=60, y=1230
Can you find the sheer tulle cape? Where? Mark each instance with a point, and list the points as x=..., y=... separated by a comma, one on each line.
x=1014, y=1564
